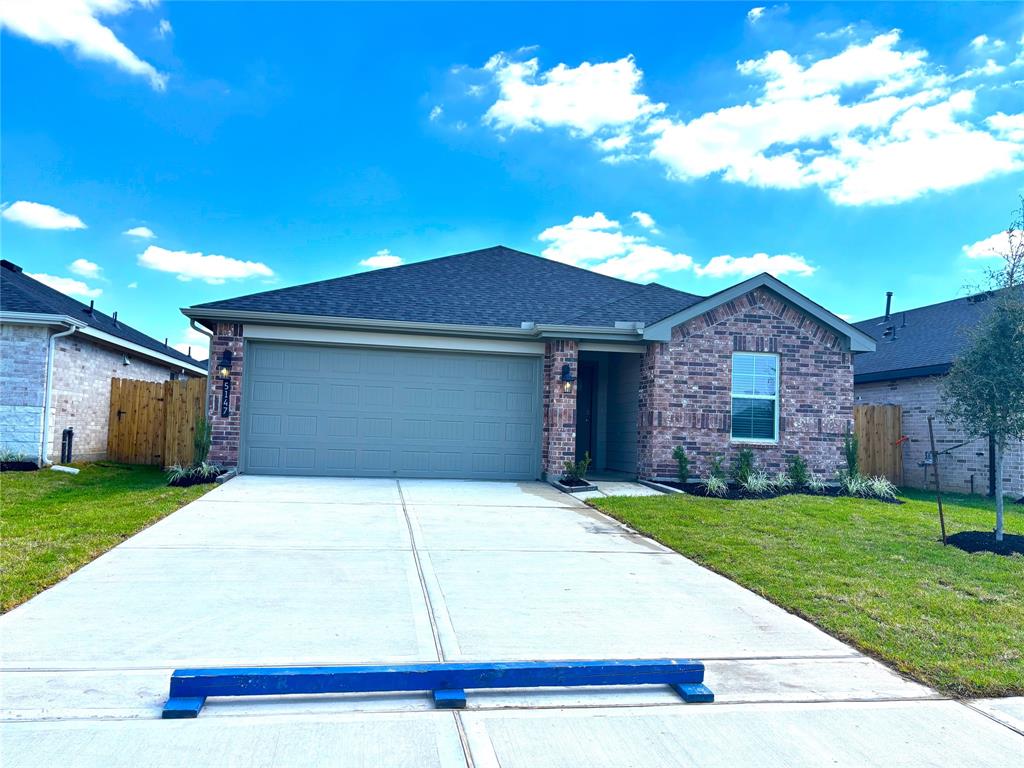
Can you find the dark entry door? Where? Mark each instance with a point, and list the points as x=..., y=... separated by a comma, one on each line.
x=585, y=390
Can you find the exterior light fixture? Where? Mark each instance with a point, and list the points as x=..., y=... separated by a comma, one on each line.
x=125, y=360
x=224, y=365
x=567, y=378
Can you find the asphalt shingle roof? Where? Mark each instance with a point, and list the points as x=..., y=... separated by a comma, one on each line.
x=21, y=293
x=926, y=337
x=495, y=286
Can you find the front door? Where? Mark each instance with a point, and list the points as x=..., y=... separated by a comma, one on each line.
x=585, y=387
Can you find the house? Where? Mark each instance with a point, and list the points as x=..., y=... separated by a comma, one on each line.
x=57, y=357
x=915, y=350
x=502, y=365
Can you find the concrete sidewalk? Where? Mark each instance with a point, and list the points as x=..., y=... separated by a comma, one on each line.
x=266, y=571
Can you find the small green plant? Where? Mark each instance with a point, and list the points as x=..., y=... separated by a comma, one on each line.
x=7, y=455
x=850, y=446
x=853, y=485
x=204, y=472
x=576, y=471
x=201, y=440
x=714, y=486
x=715, y=468
x=682, y=463
x=815, y=484
x=742, y=466
x=757, y=483
x=796, y=471
x=880, y=487
x=782, y=482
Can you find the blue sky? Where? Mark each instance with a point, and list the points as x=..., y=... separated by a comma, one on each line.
x=851, y=149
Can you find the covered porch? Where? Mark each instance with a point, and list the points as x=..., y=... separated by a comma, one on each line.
x=607, y=408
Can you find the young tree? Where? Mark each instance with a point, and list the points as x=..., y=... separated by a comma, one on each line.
x=984, y=390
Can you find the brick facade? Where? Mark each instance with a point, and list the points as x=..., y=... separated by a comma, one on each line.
x=685, y=388
x=559, y=433
x=226, y=430
x=82, y=371
x=919, y=398
x=23, y=350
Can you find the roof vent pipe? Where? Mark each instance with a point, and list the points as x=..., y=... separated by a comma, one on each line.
x=888, y=303
x=115, y=319
x=92, y=305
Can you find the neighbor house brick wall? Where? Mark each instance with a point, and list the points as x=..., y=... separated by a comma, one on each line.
x=559, y=436
x=226, y=430
x=82, y=370
x=23, y=350
x=686, y=384
x=920, y=398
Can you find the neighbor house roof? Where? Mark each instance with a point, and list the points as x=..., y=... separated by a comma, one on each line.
x=21, y=295
x=495, y=286
x=922, y=341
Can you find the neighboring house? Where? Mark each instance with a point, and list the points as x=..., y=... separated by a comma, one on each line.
x=502, y=365
x=915, y=350
x=57, y=357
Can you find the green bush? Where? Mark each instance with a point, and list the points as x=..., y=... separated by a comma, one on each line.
x=815, y=484
x=201, y=441
x=796, y=470
x=714, y=486
x=782, y=482
x=757, y=482
x=850, y=446
x=715, y=468
x=742, y=466
x=576, y=470
x=683, y=463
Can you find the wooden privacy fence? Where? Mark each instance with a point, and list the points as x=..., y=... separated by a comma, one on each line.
x=152, y=422
x=878, y=429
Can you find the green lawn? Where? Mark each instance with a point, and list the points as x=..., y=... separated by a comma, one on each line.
x=870, y=573
x=52, y=523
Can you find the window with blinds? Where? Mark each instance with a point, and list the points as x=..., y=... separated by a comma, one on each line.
x=755, y=396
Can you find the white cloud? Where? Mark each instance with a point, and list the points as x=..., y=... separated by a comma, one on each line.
x=382, y=260
x=67, y=285
x=584, y=99
x=436, y=112
x=645, y=220
x=144, y=232
x=754, y=14
x=85, y=268
x=874, y=123
x=133, y=284
x=984, y=41
x=193, y=343
x=748, y=266
x=643, y=263
x=76, y=24
x=991, y=247
x=40, y=216
x=164, y=28
x=1008, y=126
x=212, y=268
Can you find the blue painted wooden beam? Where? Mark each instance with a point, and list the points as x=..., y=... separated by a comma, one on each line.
x=440, y=677
x=694, y=693
x=453, y=699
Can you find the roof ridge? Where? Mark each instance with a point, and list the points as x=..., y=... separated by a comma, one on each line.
x=940, y=303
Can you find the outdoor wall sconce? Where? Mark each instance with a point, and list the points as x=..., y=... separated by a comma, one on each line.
x=224, y=366
x=567, y=377
x=125, y=360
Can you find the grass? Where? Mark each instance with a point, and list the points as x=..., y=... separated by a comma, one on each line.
x=873, y=574
x=52, y=523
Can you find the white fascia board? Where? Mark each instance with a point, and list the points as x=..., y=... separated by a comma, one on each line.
x=140, y=350
x=36, y=318
x=859, y=341
x=254, y=332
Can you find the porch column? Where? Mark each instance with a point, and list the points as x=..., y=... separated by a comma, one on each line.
x=559, y=439
x=649, y=414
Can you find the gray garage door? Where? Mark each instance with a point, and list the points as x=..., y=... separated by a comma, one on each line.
x=368, y=412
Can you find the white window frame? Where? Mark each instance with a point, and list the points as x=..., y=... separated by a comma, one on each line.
x=776, y=397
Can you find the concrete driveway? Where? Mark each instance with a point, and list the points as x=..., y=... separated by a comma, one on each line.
x=267, y=571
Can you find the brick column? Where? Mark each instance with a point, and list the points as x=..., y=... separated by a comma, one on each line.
x=559, y=438
x=226, y=430
x=649, y=414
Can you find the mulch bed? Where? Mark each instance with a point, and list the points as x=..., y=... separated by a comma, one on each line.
x=18, y=466
x=574, y=483
x=736, y=492
x=985, y=541
x=186, y=482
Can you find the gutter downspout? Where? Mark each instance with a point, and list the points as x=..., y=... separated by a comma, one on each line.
x=192, y=324
x=48, y=395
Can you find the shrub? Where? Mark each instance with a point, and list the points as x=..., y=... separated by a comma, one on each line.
x=201, y=441
x=880, y=487
x=850, y=446
x=742, y=466
x=815, y=484
x=796, y=471
x=576, y=470
x=7, y=455
x=782, y=482
x=682, y=462
x=203, y=472
x=714, y=486
x=715, y=468
x=757, y=483
x=853, y=485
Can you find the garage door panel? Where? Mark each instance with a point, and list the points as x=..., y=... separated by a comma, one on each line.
x=380, y=412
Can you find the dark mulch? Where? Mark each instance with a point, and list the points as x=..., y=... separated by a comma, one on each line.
x=18, y=466
x=736, y=492
x=185, y=482
x=574, y=483
x=985, y=541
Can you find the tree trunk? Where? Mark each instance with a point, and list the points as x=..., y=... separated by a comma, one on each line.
x=999, y=488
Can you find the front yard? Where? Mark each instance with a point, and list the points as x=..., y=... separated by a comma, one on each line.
x=51, y=523
x=873, y=574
